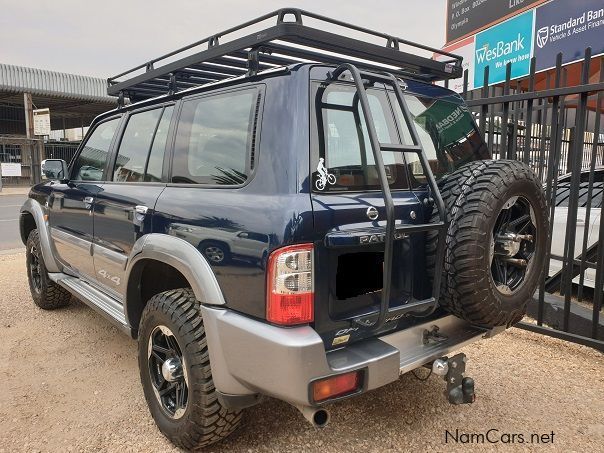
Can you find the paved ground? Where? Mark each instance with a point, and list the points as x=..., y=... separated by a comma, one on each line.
x=9, y=221
x=70, y=383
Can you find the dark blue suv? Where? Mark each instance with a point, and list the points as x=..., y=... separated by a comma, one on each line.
x=304, y=221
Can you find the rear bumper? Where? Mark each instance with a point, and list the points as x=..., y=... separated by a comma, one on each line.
x=249, y=356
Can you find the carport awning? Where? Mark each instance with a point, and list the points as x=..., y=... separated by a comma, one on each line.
x=73, y=100
x=41, y=82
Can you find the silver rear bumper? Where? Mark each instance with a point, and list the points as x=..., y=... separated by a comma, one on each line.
x=250, y=356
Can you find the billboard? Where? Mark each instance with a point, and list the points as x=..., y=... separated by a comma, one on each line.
x=510, y=41
x=466, y=17
x=568, y=27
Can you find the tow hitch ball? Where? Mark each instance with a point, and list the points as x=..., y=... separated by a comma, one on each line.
x=460, y=389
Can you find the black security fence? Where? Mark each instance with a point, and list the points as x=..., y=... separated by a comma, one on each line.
x=558, y=131
x=60, y=150
x=28, y=154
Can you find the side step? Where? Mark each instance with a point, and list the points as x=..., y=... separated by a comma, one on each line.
x=95, y=299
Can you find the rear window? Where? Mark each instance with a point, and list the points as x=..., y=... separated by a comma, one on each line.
x=345, y=156
x=214, y=139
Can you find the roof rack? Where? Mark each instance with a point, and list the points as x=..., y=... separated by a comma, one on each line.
x=285, y=43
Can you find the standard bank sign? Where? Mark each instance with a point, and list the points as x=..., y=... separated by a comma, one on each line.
x=509, y=42
x=568, y=27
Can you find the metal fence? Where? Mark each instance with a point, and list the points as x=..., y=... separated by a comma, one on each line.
x=558, y=132
x=60, y=150
x=23, y=151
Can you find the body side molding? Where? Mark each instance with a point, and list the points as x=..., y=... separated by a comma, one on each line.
x=34, y=208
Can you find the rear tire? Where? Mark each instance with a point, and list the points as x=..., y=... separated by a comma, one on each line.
x=45, y=293
x=473, y=285
x=172, y=321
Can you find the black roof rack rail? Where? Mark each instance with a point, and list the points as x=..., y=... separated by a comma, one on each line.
x=285, y=43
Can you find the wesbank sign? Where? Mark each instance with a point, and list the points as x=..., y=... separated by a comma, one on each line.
x=502, y=49
x=508, y=42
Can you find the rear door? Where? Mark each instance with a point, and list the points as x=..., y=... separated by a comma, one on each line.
x=348, y=205
x=71, y=205
x=123, y=209
x=347, y=202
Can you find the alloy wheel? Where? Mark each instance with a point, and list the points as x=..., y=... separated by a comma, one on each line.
x=168, y=372
x=513, y=245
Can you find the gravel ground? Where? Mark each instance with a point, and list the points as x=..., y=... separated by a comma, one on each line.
x=70, y=383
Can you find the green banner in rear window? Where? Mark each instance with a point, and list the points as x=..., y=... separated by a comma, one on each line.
x=450, y=121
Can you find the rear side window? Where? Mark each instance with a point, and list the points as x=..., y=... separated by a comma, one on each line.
x=345, y=156
x=91, y=161
x=140, y=155
x=215, y=138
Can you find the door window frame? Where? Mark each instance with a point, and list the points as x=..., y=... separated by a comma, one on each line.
x=120, y=135
x=119, y=116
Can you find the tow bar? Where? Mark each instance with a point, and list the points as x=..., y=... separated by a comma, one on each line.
x=460, y=389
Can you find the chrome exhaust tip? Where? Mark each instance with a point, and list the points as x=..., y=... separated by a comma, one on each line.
x=316, y=416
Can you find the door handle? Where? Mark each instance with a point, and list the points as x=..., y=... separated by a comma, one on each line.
x=88, y=202
x=139, y=214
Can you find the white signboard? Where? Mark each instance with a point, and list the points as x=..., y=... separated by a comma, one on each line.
x=42, y=122
x=11, y=169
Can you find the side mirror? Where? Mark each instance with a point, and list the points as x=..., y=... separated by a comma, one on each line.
x=54, y=169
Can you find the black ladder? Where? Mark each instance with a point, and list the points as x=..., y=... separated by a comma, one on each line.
x=427, y=306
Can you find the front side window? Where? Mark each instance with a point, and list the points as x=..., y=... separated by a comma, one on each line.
x=91, y=161
x=214, y=139
x=142, y=146
x=346, y=159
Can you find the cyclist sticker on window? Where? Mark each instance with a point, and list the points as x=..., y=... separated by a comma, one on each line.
x=324, y=177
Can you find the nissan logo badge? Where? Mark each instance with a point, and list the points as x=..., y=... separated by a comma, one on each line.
x=372, y=213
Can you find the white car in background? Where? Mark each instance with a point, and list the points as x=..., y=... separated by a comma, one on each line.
x=561, y=217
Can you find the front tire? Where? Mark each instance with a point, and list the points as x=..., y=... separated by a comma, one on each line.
x=45, y=293
x=175, y=372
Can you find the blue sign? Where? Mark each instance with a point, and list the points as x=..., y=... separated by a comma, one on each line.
x=568, y=27
x=510, y=41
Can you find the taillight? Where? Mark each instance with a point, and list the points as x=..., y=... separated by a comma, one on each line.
x=290, y=298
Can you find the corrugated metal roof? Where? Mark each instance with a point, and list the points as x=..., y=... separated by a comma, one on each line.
x=19, y=79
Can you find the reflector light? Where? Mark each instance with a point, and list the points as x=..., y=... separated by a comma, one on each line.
x=290, y=297
x=336, y=386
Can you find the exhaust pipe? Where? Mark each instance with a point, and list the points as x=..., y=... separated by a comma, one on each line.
x=317, y=416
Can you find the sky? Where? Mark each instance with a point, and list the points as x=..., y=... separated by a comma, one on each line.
x=108, y=37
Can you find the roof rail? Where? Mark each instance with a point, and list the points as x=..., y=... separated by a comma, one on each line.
x=286, y=42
